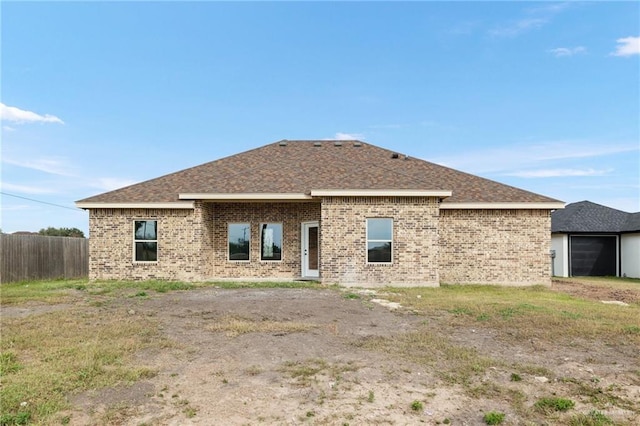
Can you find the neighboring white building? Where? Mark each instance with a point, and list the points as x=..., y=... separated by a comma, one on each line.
x=589, y=239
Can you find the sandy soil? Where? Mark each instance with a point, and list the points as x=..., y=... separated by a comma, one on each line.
x=323, y=375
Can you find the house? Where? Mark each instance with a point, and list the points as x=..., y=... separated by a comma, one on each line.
x=344, y=212
x=594, y=240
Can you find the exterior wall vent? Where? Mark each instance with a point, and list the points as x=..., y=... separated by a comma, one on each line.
x=337, y=143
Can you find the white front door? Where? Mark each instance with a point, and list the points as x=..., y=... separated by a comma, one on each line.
x=310, y=249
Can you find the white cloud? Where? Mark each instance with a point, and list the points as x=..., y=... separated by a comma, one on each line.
x=24, y=189
x=535, y=18
x=627, y=46
x=386, y=126
x=552, y=8
x=4, y=207
x=464, y=28
x=348, y=136
x=510, y=159
x=559, y=52
x=518, y=27
x=17, y=115
x=547, y=173
x=8, y=129
x=52, y=165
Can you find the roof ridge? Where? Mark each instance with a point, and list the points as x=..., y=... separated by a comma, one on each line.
x=411, y=177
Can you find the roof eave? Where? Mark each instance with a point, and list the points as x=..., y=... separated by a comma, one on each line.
x=380, y=193
x=262, y=196
x=551, y=205
x=133, y=205
x=240, y=196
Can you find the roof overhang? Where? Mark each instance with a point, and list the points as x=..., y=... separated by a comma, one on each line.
x=169, y=205
x=503, y=206
x=245, y=196
x=266, y=196
x=379, y=193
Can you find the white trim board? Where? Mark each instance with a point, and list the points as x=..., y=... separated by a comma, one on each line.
x=379, y=193
x=243, y=196
x=169, y=205
x=502, y=206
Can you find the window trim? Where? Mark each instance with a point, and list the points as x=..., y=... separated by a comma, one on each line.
x=135, y=241
x=229, y=241
x=367, y=241
x=281, y=241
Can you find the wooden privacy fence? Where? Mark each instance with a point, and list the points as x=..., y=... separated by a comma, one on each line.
x=38, y=257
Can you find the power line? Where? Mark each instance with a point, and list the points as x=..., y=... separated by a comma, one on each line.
x=75, y=209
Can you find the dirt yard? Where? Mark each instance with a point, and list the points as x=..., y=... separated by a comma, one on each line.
x=297, y=356
x=577, y=287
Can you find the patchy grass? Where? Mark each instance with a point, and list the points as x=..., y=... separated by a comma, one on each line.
x=593, y=418
x=550, y=404
x=536, y=314
x=8, y=363
x=61, y=291
x=527, y=313
x=45, y=358
x=234, y=326
x=306, y=371
x=50, y=356
x=493, y=418
x=55, y=291
x=454, y=364
x=598, y=396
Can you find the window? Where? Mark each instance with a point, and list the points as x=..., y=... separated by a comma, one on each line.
x=145, y=239
x=271, y=241
x=239, y=236
x=379, y=238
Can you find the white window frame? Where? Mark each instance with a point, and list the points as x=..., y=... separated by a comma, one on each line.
x=229, y=241
x=281, y=241
x=367, y=241
x=135, y=241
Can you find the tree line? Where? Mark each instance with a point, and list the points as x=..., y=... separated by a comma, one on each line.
x=61, y=232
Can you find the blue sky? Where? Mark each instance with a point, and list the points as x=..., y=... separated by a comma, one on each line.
x=544, y=96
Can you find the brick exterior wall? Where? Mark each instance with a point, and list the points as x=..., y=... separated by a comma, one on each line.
x=344, y=241
x=290, y=215
x=429, y=245
x=184, y=244
x=508, y=247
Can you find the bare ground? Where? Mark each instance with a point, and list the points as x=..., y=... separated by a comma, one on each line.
x=323, y=373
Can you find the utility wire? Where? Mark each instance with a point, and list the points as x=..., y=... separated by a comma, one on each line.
x=41, y=202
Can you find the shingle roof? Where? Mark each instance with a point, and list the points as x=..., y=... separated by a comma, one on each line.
x=302, y=166
x=633, y=224
x=586, y=216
